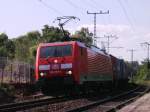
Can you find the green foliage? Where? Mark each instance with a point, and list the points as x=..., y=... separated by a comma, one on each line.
x=3, y=39
x=84, y=35
x=51, y=34
x=10, y=46
x=32, y=51
x=3, y=51
x=143, y=73
x=24, y=47
x=7, y=47
x=7, y=89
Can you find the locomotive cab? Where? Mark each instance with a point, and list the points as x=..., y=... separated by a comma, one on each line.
x=54, y=65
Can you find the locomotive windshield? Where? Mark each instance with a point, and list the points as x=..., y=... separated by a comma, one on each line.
x=56, y=51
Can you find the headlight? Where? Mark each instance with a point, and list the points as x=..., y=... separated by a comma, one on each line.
x=42, y=74
x=69, y=72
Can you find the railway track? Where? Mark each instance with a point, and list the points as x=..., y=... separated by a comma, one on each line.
x=82, y=104
x=111, y=104
x=31, y=104
x=21, y=98
x=125, y=102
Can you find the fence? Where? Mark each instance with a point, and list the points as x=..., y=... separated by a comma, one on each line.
x=15, y=71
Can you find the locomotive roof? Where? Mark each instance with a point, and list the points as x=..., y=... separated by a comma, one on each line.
x=92, y=47
x=57, y=43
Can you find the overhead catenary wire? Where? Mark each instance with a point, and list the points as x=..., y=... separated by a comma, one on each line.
x=89, y=3
x=81, y=8
x=98, y=6
x=147, y=44
x=126, y=14
x=95, y=13
x=134, y=30
x=95, y=2
x=130, y=10
x=62, y=21
x=72, y=4
x=50, y=7
x=92, y=4
x=131, y=51
x=75, y=6
x=86, y=3
x=108, y=37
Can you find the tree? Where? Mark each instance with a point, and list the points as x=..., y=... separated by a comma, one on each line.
x=6, y=50
x=24, y=43
x=32, y=51
x=3, y=39
x=10, y=46
x=84, y=36
x=33, y=37
x=7, y=47
x=21, y=45
x=3, y=51
x=52, y=34
x=143, y=73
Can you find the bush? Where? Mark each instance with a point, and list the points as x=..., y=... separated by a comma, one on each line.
x=142, y=75
x=8, y=89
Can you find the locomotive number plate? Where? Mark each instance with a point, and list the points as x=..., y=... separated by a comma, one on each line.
x=55, y=66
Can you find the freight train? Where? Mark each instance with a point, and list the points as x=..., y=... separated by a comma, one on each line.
x=67, y=65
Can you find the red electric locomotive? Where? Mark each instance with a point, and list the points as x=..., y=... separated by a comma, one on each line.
x=64, y=65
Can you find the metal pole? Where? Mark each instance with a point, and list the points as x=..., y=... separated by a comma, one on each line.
x=132, y=56
x=95, y=29
x=95, y=13
x=11, y=72
x=132, y=50
x=148, y=52
x=148, y=63
x=2, y=76
x=147, y=44
x=132, y=64
x=108, y=43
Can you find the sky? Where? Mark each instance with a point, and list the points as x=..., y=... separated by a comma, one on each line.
x=128, y=20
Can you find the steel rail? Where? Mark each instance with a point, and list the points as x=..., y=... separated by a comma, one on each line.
x=119, y=106
x=100, y=102
x=30, y=104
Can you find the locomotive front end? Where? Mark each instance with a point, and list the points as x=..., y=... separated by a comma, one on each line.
x=54, y=66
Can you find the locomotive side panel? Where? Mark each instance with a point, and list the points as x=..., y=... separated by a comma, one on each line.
x=99, y=68
x=123, y=70
x=114, y=67
x=81, y=62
